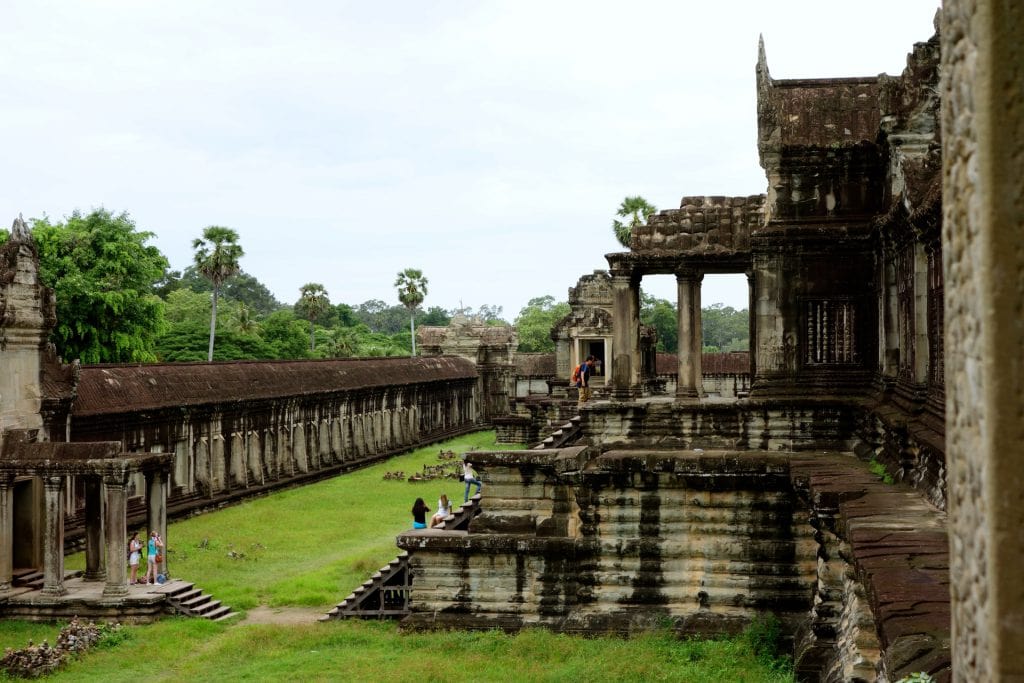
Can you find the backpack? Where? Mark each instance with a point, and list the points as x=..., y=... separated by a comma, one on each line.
x=576, y=374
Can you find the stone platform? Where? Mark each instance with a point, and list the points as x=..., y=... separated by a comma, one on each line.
x=85, y=599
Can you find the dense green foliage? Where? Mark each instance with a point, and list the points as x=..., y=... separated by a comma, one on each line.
x=661, y=315
x=724, y=328
x=310, y=546
x=535, y=321
x=241, y=287
x=102, y=273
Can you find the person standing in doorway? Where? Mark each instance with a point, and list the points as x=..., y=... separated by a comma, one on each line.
x=469, y=476
x=586, y=372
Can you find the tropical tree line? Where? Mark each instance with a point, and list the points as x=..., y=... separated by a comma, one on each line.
x=119, y=301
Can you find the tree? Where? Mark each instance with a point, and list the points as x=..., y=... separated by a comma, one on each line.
x=434, y=317
x=535, y=321
x=725, y=328
x=312, y=304
x=663, y=317
x=216, y=258
x=638, y=210
x=241, y=287
x=103, y=274
x=412, y=289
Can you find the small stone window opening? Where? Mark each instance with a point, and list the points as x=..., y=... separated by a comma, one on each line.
x=830, y=338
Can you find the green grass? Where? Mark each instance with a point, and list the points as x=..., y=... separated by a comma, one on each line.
x=311, y=546
x=879, y=470
x=191, y=649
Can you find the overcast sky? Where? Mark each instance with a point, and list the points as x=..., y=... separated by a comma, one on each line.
x=486, y=143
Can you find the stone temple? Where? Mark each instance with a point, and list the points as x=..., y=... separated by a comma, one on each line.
x=886, y=298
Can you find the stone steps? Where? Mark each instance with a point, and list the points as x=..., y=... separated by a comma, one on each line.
x=384, y=595
x=186, y=599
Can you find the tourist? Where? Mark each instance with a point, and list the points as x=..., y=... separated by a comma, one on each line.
x=153, y=549
x=134, y=555
x=419, y=514
x=444, y=508
x=586, y=370
x=469, y=476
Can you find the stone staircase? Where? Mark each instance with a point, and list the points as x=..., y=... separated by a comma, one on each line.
x=185, y=598
x=562, y=436
x=33, y=578
x=385, y=595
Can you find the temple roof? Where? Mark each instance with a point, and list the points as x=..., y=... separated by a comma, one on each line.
x=104, y=389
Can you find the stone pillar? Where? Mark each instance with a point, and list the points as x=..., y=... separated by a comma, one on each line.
x=156, y=507
x=6, y=531
x=116, y=528
x=982, y=233
x=53, y=536
x=691, y=344
x=94, y=570
x=752, y=335
x=625, y=373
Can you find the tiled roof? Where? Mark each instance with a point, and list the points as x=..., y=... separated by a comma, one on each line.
x=104, y=389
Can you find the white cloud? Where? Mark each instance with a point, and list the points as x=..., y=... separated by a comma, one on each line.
x=485, y=143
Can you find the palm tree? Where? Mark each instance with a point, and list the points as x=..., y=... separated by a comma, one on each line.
x=216, y=259
x=639, y=210
x=412, y=288
x=313, y=302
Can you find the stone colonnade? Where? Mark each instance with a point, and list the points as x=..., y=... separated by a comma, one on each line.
x=626, y=362
x=223, y=449
x=105, y=483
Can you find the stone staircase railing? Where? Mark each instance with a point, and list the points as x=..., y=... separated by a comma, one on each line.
x=385, y=595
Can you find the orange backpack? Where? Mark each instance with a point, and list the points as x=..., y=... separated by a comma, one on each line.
x=576, y=375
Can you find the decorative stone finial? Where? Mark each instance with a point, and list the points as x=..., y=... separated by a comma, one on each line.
x=762, y=60
x=20, y=231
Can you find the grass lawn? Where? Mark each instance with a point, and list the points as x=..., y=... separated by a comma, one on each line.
x=311, y=546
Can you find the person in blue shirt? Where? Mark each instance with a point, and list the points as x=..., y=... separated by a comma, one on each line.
x=586, y=371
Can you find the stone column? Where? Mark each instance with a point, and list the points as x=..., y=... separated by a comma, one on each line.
x=94, y=570
x=116, y=528
x=751, y=301
x=6, y=531
x=53, y=536
x=156, y=506
x=625, y=373
x=982, y=233
x=691, y=344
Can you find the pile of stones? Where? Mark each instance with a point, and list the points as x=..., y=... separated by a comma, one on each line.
x=39, y=660
x=400, y=476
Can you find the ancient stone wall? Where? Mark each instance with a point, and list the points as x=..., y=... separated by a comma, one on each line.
x=702, y=225
x=629, y=542
x=982, y=232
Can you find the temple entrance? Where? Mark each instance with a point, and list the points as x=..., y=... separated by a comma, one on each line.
x=28, y=505
x=595, y=348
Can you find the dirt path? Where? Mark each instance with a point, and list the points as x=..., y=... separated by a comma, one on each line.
x=282, y=615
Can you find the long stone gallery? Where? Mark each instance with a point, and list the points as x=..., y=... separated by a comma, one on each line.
x=702, y=490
